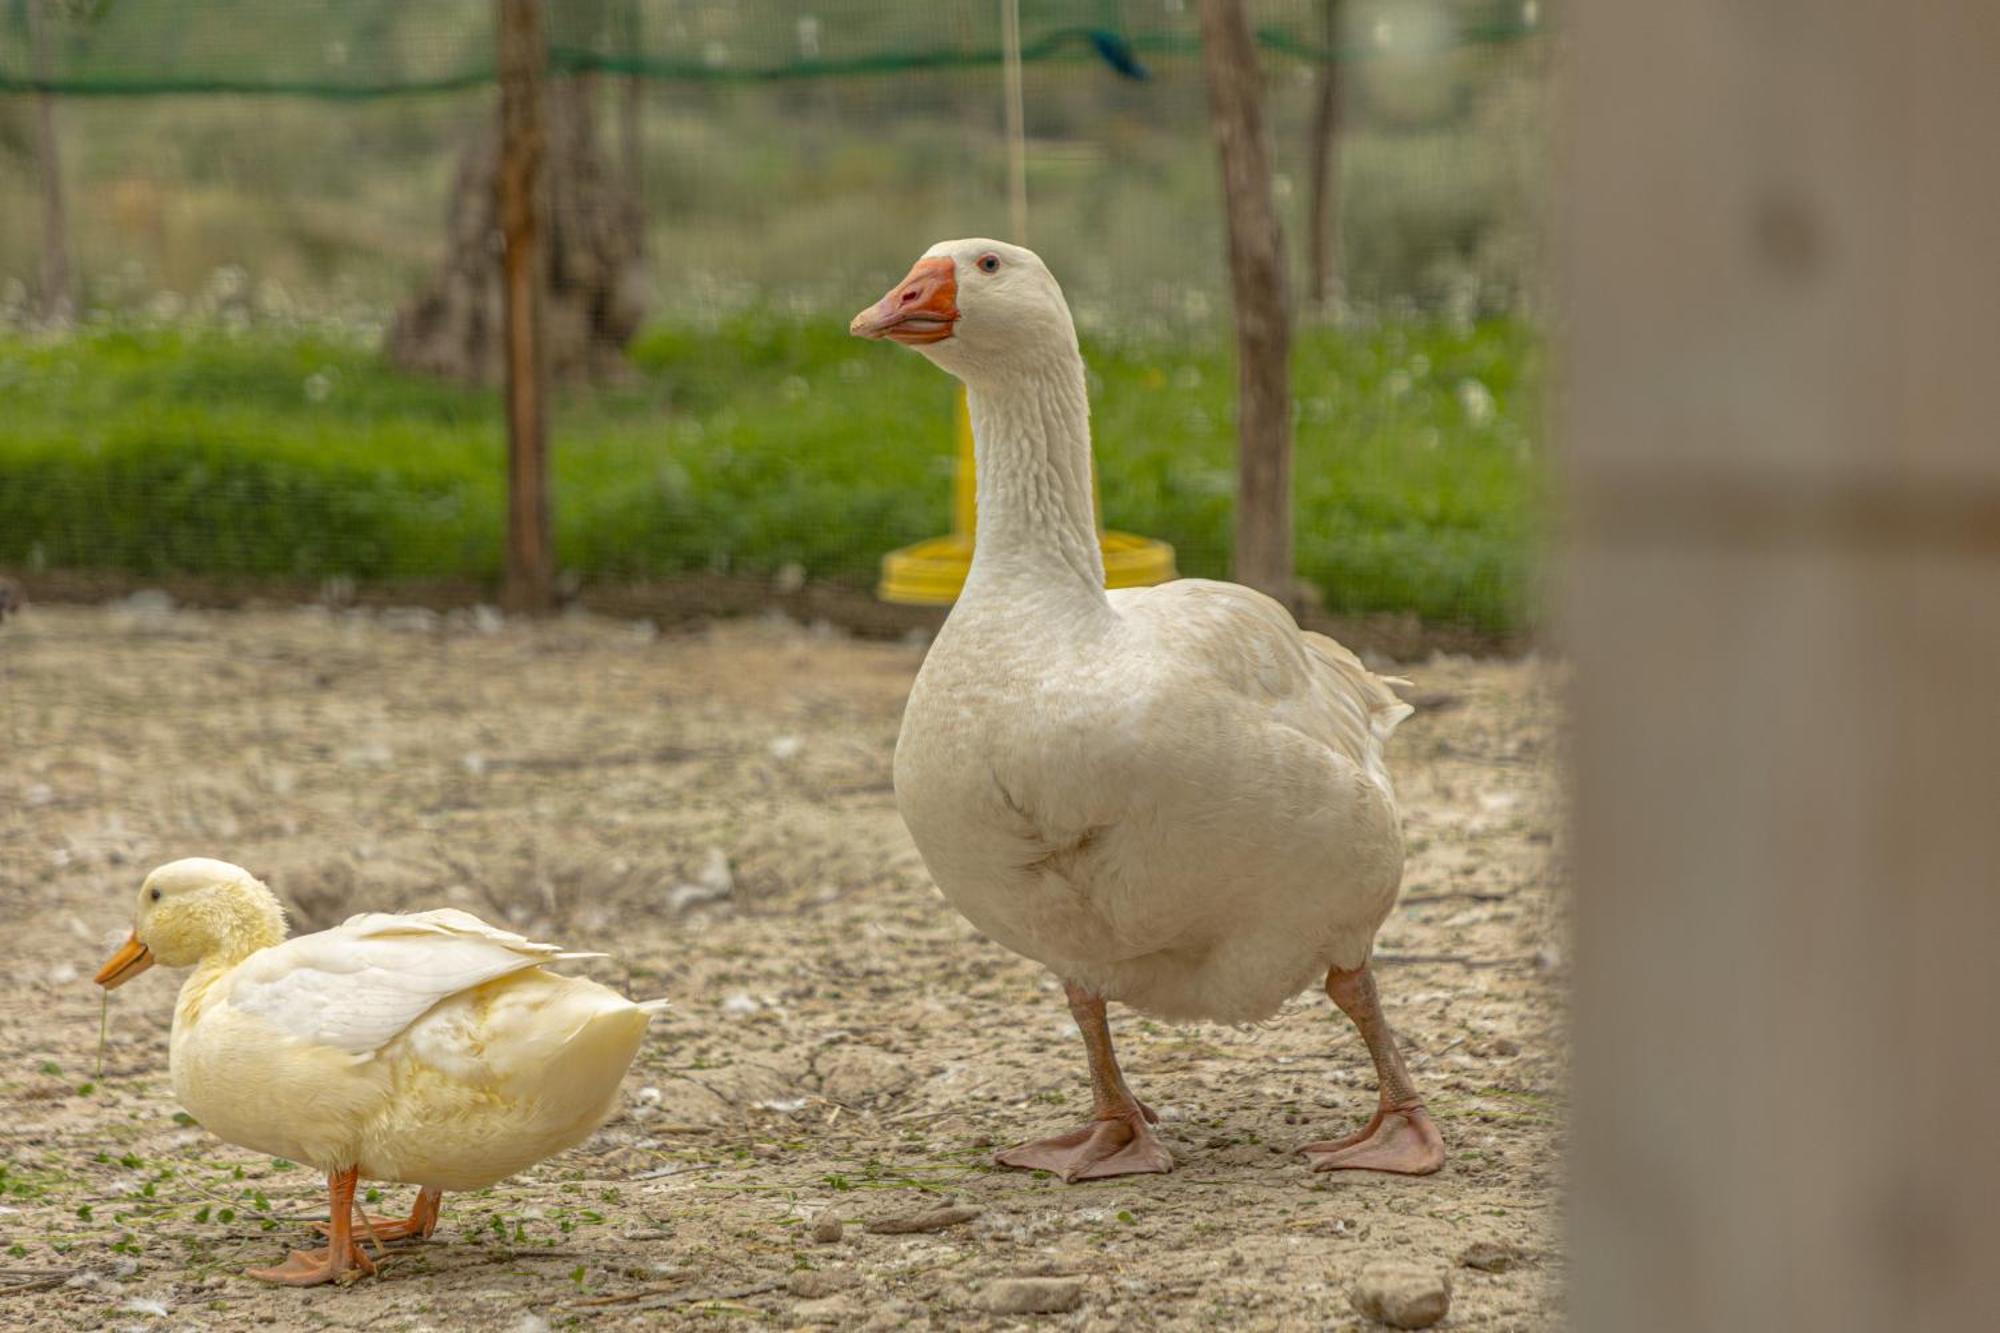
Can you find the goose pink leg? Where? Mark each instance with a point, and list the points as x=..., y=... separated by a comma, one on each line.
x=1401, y=1137
x=1119, y=1140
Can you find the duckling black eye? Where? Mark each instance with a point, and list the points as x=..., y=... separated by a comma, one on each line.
x=156, y=895
x=989, y=263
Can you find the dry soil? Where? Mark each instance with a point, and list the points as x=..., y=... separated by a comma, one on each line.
x=714, y=809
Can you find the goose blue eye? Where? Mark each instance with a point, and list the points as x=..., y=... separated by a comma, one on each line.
x=989, y=263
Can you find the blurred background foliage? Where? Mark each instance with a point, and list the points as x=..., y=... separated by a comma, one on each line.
x=254, y=187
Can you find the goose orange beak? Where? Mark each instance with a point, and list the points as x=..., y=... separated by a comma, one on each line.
x=131, y=959
x=919, y=309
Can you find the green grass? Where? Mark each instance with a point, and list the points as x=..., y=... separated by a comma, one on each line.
x=766, y=442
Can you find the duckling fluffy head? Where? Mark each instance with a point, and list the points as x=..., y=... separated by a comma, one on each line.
x=193, y=909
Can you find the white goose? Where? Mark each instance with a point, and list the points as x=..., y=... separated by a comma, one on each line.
x=1171, y=796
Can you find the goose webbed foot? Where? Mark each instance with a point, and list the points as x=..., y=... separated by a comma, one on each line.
x=1119, y=1140
x=1118, y=1145
x=1404, y=1142
x=1401, y=1138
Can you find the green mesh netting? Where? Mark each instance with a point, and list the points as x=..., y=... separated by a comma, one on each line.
x=378, y=48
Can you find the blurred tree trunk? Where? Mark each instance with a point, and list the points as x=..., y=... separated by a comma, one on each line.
x=1257, y=279
x=591, y=298
x=1323, y=221
x=58, y=294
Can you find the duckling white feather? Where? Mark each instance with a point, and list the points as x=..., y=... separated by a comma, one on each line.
x=357, y=986
x=430, y=1048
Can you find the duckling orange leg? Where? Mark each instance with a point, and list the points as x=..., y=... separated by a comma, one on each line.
x=1401, y=1137
x=310, y=1268
x=419, y=1225
x=1119, y=1140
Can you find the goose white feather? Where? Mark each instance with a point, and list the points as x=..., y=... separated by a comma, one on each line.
x=1171, y=796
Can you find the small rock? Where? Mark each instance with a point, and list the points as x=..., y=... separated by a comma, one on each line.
x=891, y=1317
x=818, y=1283
x=1401, y=1293
x=410, y=620
x=1032, y=1295
x=935, y=1220
x=783, y=1106
x=858, y=1075
x=147, y=602
x=714, y=881
x=529, y=1322
x=826, y=1229
x=1491, y=1256
x=839, y=1310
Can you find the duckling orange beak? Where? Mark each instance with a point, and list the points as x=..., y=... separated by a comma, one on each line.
x=919, y=309
x=131, y=959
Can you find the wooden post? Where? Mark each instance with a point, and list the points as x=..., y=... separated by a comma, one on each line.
x=1784, y=610
x=1257, y=280
x=1017, y=121
x=631, y=121
x=58, y=294
x=1323, y=218
x=523, y=58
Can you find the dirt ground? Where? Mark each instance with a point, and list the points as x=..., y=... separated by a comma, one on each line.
x=714, y=809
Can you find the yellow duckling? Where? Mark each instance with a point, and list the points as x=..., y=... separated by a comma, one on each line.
x=430, y=1049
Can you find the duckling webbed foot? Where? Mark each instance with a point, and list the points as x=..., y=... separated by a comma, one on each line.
x=1123, y=1145
x=1400, y=1138
x=1119, y=1140
x=419, y=1225
x=310, y=1268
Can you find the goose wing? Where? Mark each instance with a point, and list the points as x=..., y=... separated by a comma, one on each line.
x=1244, y=642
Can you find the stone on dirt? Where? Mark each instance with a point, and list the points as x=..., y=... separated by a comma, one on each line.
x=858, y=1075
x=1032, y=1295
x=826, y=1229
x=935, y=1220
x=840, y=1310
x=818, y=1283
x=1402, y=1293
x=1491, y=1256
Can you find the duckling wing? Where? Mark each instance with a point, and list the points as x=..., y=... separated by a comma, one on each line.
x=356, y=987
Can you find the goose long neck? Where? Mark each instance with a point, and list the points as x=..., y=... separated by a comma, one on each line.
x=1031, y=448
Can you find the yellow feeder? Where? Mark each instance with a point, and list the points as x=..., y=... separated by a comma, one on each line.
x=932, y=572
